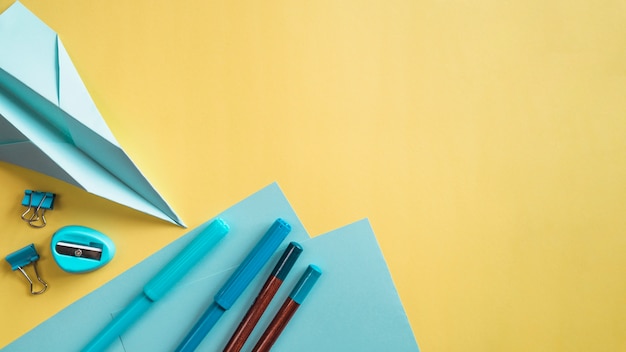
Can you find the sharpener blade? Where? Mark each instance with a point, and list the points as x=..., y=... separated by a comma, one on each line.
x=78, y=250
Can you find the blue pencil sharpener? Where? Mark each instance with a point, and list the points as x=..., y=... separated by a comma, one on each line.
x=79, y=249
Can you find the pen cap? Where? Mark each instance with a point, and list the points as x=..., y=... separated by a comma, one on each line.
x=253, y=263
x=287, y=260
x=186, y=259
x=306, y=282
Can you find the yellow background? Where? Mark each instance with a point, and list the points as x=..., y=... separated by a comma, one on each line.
x=484, y=140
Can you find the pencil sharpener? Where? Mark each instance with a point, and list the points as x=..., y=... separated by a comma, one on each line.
x=80, y=249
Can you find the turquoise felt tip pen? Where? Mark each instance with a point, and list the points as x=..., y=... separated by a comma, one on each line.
x=160, y=284
x=236, y=284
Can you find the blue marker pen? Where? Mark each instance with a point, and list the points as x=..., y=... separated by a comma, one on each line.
x=236, y=284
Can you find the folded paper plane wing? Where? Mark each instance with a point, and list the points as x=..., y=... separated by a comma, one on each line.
x=50, y=124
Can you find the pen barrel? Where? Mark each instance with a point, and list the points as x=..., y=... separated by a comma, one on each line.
x=186, y=259
x=201, y=328
x=236, y=342
x=276, y=327
x=119, y=324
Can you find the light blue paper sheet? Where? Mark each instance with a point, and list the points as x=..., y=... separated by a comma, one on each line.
x=353, y=307
x=50, y=124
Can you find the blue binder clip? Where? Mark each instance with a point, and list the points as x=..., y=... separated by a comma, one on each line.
x=38, y=202
x=21, y=258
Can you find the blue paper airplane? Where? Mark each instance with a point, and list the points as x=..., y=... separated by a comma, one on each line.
x=50, y=124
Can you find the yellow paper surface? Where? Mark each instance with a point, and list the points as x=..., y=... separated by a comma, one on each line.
x=483, y=140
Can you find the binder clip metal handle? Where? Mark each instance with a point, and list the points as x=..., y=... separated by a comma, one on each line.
x=38, y=202
x=23, y=257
